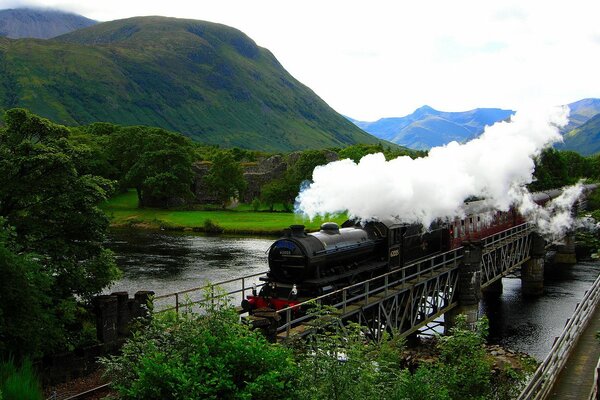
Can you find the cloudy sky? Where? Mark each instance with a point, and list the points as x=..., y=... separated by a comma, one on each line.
x=377, y=58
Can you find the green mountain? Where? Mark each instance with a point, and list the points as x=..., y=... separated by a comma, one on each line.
x=585, y=139
x=39, y=23
x=205, y=80
x=580, y=112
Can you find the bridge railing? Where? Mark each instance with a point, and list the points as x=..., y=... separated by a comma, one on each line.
x=498, y=238
x=362, y=292
x=545, y=376
x=235, y=289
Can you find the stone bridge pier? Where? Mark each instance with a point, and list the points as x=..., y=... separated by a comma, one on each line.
x=532, y=272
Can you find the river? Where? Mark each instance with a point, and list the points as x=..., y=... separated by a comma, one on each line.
x=167, y=262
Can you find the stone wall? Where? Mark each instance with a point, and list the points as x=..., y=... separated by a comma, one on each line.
x=256, y=174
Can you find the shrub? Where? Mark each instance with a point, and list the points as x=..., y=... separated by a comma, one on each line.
x=200, y=355
x=19, y=383
x=255, y=204
x=212, y=227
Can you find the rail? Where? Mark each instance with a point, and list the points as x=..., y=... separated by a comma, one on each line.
x=194, y=295
x=361, y=292
x=545, y=376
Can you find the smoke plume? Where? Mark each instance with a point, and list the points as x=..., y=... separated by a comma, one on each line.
x=496, y=166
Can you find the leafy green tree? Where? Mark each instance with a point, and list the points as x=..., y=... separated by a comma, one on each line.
x=358, y=151
x=208, y=355
x=463, y=363
x=156, y=162
x=285, y=190
x=550, y=171
x=26, y=326
x=54, y=211
x=279, y=191
x=225, y=178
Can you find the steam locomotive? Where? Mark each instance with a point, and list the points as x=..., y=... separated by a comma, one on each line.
x=305, y=265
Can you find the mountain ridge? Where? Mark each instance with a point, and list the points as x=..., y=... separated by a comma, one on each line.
x=427, y=127
x=206, y=80
x=37, y=23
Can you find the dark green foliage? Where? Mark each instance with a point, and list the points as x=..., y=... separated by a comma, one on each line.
x=54, y=211
x=358, y=151
x=464, y=363
x=211, y=227
x=555, y=169
x=24, y=300
x=208, y=81
x=201, y=356
x=255, y=204
x=279, y=191
x=225, y=177
x=19, y=382
x=157, y=163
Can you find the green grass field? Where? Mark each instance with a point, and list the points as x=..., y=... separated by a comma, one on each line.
x=123, y=212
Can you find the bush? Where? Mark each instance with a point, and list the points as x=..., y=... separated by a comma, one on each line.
x=255, y=204
x=200, y=355
x=19, y=383
x=212, y=227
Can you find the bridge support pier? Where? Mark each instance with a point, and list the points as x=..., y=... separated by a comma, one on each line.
x=469, y=287
x=532, y=272
x=565, y=253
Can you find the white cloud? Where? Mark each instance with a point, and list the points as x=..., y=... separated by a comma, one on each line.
x=386, y=58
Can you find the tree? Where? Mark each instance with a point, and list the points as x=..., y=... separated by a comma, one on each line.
x=54, y=211
x=225, y=178
x=157, y=163
x=26, y=329
x=550, y=171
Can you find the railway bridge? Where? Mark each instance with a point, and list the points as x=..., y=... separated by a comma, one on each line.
x=413, y=298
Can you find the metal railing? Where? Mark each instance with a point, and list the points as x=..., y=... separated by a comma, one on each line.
x=197, y=295
x=499, y=238
x=545, y=376
x=363, y=292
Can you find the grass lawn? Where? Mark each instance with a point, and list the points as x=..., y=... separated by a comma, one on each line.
x=123, y=211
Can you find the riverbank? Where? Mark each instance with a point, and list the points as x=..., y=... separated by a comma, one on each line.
x=123, y=212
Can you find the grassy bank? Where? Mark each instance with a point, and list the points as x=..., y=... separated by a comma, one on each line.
x=124, y=212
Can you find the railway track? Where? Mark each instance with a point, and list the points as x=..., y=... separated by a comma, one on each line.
x=88, y=394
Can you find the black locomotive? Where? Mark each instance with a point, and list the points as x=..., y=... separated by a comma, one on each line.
x=304, y=265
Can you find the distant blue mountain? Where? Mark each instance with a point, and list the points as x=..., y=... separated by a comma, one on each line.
x=426, y=127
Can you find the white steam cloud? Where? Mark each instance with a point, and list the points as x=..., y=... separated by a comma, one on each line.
x=495, y=166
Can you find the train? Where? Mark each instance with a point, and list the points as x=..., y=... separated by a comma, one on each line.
x=306, y=265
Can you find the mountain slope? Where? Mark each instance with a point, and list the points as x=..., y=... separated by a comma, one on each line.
x=41, y=24
x=206, y=80
x=581, y=112
x=585, y=139
x=427, y=127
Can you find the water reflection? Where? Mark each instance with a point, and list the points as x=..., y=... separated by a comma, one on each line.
x=170, y=262
x=531, y=324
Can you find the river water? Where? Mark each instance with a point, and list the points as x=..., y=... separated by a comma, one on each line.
x=170, y=262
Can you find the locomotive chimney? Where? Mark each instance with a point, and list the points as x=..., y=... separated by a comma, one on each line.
x=297, y=230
